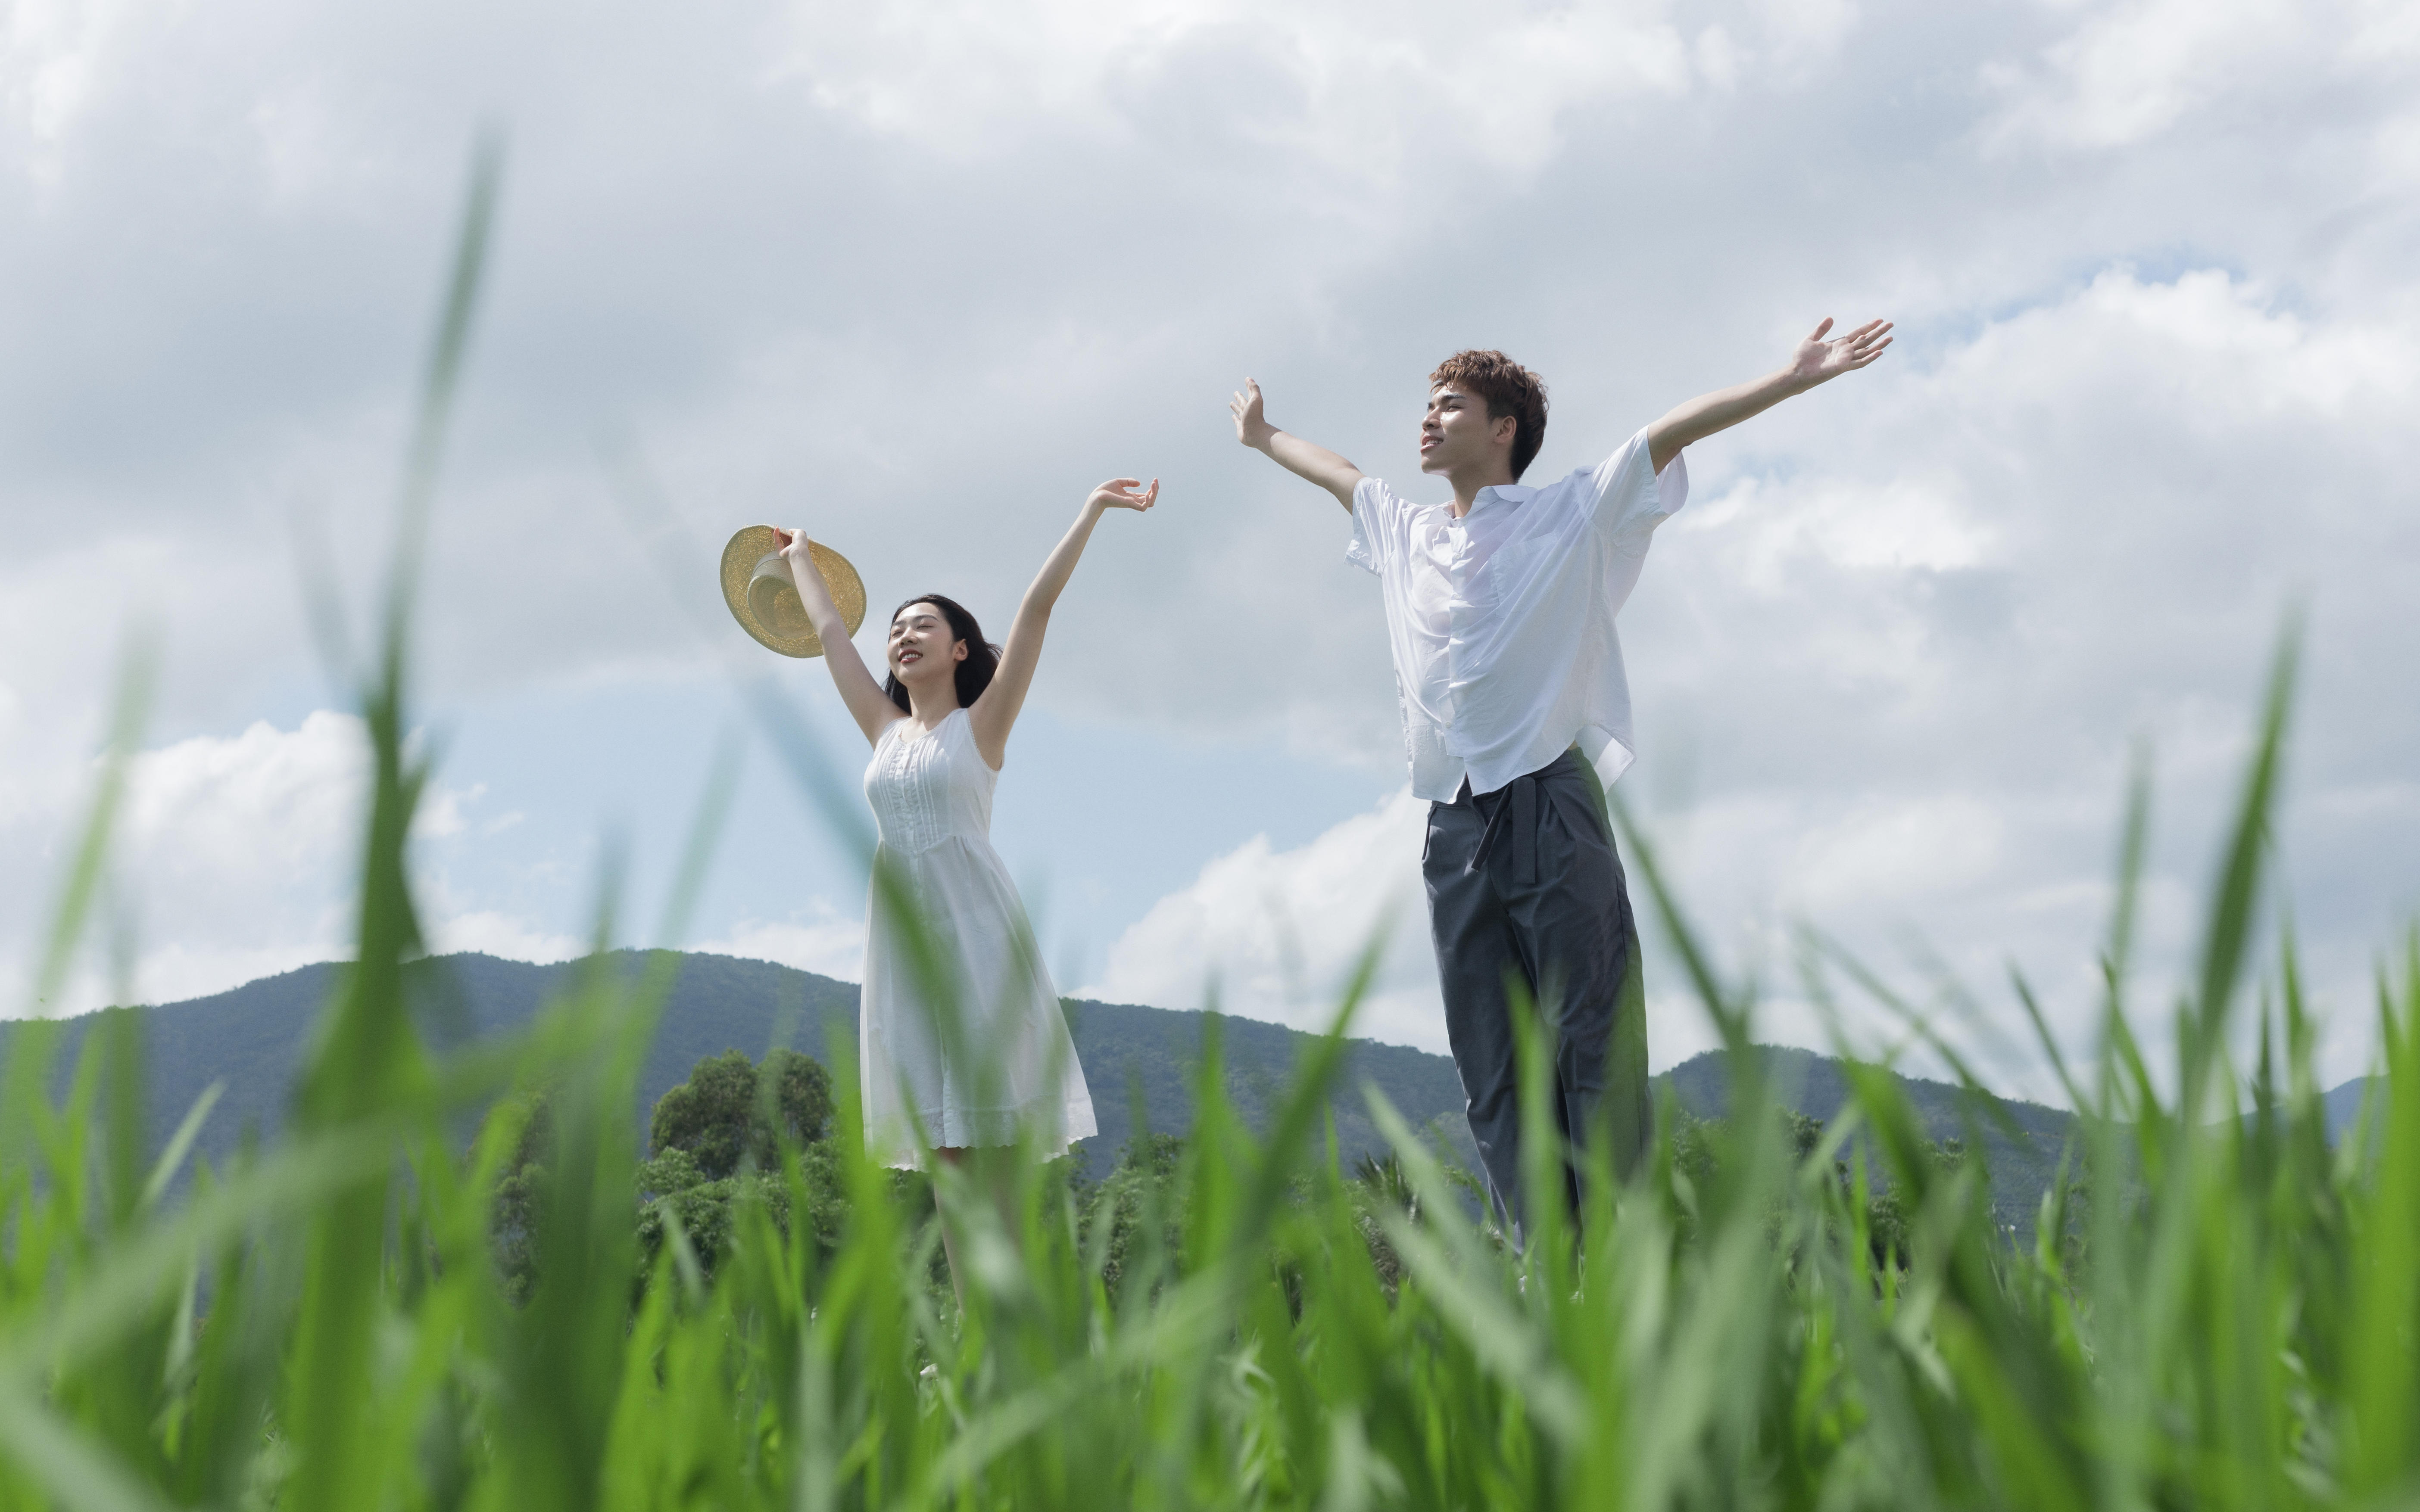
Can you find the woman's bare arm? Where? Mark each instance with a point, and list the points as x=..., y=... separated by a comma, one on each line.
x=867, y=704
x=995, y=713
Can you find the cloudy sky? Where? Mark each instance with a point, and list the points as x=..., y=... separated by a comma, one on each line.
x=917, y=275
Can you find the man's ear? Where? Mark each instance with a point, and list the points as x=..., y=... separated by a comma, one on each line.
x=1503, y=428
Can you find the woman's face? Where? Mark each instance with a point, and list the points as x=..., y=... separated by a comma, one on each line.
x=921, y=648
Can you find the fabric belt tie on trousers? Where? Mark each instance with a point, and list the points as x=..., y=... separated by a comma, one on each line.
x=1516, y=807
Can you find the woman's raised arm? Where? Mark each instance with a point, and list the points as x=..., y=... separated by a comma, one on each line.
x=995, y=713
x=867, y=704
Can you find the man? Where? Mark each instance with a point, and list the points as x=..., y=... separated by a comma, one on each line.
x=1500, y=608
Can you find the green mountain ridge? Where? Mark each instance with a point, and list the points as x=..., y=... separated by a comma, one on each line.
x=252, y=1039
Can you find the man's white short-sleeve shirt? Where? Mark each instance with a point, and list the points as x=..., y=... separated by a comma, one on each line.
x=1502, y=621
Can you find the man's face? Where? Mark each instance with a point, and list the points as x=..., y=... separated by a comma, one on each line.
x=1456, y=433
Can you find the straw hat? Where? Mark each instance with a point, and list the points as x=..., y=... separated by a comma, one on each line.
x=764, y=598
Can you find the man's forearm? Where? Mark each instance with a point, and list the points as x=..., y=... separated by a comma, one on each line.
x=1816, y=361
x=1312, y=463
x=1687, y=423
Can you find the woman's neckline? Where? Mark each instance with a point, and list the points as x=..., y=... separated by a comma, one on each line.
x=927, y=734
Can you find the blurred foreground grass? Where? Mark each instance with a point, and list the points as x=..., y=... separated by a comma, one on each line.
x=2228, y=1322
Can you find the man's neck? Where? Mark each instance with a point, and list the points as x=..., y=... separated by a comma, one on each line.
x=1466, y=486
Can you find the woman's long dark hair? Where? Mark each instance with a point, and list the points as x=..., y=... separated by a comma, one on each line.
x=974, y=673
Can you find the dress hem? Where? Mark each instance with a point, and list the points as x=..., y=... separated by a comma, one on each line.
x=998, y=1130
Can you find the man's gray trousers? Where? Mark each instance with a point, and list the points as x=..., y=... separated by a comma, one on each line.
x=1524, y=888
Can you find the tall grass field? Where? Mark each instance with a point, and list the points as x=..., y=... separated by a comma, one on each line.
x=2216, y=1307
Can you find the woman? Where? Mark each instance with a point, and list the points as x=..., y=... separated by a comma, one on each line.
x=961, y=1041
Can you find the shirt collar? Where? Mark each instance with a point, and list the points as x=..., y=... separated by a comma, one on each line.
x=1508, y=493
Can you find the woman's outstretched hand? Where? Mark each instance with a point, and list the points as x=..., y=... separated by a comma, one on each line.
x=1124, y=493
x=789, y=543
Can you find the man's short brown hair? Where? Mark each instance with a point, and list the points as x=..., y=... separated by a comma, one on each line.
x=1509, y=388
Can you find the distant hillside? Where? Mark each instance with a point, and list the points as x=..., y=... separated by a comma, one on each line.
x=254, y=1038
x=2022, y=1164
x=2344, y=1105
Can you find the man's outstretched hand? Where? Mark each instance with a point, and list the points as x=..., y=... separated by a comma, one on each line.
x=1251, y=427
x=1317, y=463
x=1818, y=360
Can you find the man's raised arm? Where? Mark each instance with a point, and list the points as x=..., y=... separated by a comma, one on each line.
x=1816, y=361
x=1298, y=457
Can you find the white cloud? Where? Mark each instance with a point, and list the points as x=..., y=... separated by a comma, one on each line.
x=501, y=934
x=234, y=859
x=247, y=838
x=262, y=811
x=824, y=943
x=53, y=52
x=2129, y=71
x=1379, y=96
x=1908, y=522
x=1278, y=934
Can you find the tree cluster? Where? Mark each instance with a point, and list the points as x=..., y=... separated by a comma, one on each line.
x=715, y=1148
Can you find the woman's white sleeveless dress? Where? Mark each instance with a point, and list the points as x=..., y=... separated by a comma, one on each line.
x=959, y=1029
